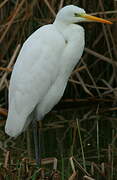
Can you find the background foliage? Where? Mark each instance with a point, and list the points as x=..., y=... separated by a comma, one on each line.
x=84, y=123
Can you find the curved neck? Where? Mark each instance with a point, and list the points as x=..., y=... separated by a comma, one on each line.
x=60, y=25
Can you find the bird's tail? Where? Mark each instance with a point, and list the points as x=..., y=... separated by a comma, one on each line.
x=16, y=124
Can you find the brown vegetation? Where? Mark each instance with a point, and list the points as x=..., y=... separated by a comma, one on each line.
x=90, y=97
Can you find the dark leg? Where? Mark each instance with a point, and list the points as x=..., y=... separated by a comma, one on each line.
x=37, y=142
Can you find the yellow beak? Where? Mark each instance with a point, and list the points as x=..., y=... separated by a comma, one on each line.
x=94, y=18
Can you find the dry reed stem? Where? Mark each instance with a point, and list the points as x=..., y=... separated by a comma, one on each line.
x=73, y=176
x=61, y=4
x=90, y=99
x=3, y=112
x=10, y=64
x=105, y=12
x=87, y=85
x=88, y=178
x=79, y=69
x=50, y=8
x=98, y=169
x=7, y=157
x=92, y=79
x=5, y=69
x=81, y=168
x=3, y=3
x=72, y=164
x=12, y=19
x=83, y=85
x=100, y=56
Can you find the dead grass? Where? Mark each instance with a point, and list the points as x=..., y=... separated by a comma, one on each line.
x=90, y=97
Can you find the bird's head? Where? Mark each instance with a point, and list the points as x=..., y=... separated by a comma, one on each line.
x=73, y=14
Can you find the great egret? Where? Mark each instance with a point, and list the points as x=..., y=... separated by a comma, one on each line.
x=43, y=67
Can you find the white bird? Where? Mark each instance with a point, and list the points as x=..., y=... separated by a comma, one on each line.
x=43, y=67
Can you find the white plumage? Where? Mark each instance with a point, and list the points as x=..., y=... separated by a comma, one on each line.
x=43, y=67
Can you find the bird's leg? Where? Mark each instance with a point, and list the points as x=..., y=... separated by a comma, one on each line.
x=37, y=142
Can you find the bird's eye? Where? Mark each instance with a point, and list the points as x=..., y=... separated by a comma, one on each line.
x=77, y=15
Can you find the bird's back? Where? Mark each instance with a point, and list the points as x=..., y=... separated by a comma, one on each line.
x=36, y=69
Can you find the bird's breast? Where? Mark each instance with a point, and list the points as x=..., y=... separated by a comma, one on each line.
x=73, y=50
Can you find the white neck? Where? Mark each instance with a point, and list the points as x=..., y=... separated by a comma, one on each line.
x=74, y=36
x=61, y=26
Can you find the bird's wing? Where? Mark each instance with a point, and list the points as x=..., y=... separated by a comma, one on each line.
x=35, y=71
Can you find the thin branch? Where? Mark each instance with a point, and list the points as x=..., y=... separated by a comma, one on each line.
x=12, y=19
x=50, y=8
x=3, y=3
x=10, y=64
x=100, y=56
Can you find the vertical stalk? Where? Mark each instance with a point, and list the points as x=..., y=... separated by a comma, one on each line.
x=83, y=157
